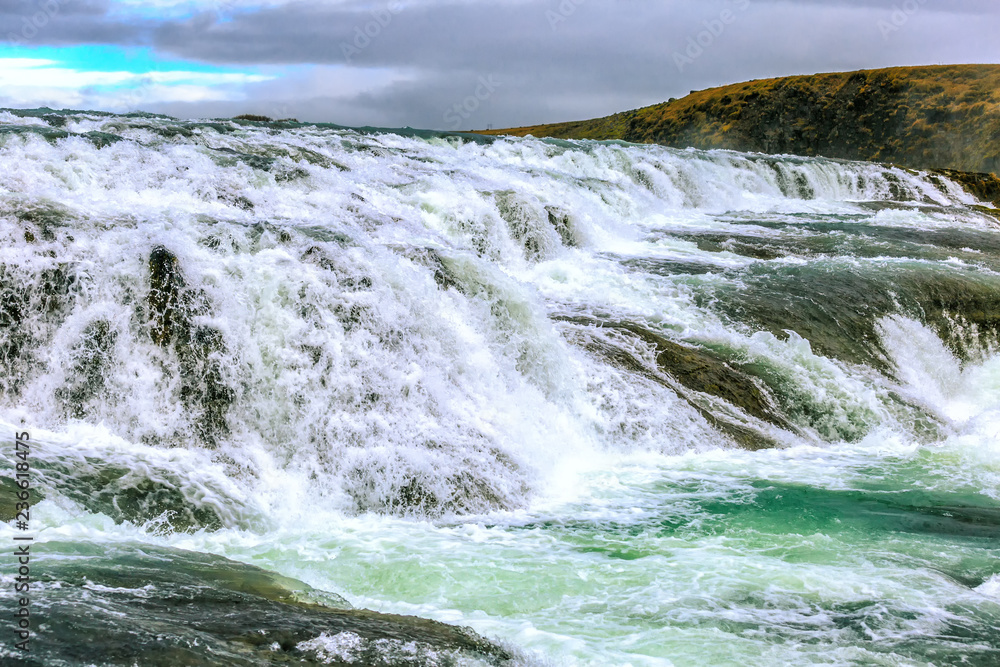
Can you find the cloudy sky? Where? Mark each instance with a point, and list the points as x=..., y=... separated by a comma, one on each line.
x=453, y=63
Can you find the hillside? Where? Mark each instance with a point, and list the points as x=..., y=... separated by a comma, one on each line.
x=945, y=117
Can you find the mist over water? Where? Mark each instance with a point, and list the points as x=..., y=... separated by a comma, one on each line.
x=611, y=404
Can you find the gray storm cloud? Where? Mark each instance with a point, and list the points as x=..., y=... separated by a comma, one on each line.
x=421, y=63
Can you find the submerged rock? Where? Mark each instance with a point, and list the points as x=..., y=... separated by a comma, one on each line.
x=88, y=375
x=14, y=338
x=33, y=304
x=473, y=477
x=158, y=606
x=125, y=495
x=836, y=305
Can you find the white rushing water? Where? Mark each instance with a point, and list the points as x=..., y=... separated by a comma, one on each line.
x=401, y=369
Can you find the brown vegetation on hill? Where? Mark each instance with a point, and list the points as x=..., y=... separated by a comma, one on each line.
x=944, y=117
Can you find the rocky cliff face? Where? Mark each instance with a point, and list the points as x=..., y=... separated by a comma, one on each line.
x=923, y=117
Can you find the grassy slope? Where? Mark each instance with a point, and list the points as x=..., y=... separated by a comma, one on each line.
x=925, y=117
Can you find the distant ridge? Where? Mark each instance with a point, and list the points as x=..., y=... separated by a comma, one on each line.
x=937, y=117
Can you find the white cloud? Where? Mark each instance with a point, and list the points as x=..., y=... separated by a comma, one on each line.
x=25, y=63
x=32, y=82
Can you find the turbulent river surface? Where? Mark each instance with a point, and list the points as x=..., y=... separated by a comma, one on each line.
x=603, y=404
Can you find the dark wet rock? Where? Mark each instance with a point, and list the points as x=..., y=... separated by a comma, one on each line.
x=747, y=246
x=158, y=606
x=53, y=134
x=700, y=369
x=55, y=120
x=93, y=359
x=289, y=174
x=983, y=186
x=838, y=238
x=318, y=256
x=435, y=261
x=43, y=217
x=218, y=127
x=171, y=131
x=123, y=494
x=56, y=284
x=243, y=203
x=103, y=139
x=164, y=298
x=254, y=118
x=212, y=241
x=49, y=134
x=562, y=222
x=265, y=234
x=31, y=308
x=794, y=184
x=9, y=498
x=837, y=306
x=288, y=168
x=204, y=389
x=200, y=350
x=523, y=224
x=472, y=478
x=13, y=301
x=15, y=340
x=348, y=279
x=693, y=369
x=326, y=235
x=985, y=210
x=255, y=161
x=964, y=313
x=822, y=305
